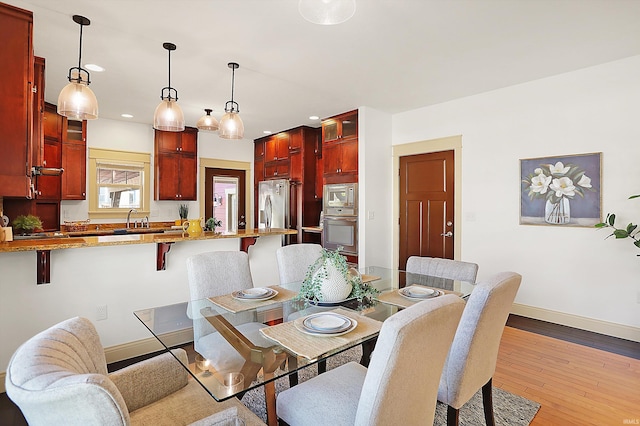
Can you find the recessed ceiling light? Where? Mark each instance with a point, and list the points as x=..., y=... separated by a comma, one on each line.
x=313, y=117
x=266, y=132
x=94, y=67
x=126, y=115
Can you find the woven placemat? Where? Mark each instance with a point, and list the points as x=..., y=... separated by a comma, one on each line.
x=311, y=347
x=393, y=297
x=234, y=305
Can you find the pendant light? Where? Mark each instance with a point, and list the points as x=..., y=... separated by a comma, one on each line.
x=207, y=122
x=76, y=101
x=231, y=126
x=168, y=115
x=327, y=12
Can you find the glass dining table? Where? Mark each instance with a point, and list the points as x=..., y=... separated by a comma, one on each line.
x=242, y=344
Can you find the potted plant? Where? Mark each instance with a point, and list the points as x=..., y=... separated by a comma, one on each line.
x=27, y=224
x=630, y=231
x=183, y=211
x=211, y=224
x=329, y=279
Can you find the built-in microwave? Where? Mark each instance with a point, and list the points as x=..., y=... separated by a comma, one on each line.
x=340, y=232
x=340, y=199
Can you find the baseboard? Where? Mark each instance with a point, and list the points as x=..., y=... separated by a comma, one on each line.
x=575, y=321
x=142, y=347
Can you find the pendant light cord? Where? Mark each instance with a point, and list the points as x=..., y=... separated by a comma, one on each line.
x=169, y=50
x=80, y=49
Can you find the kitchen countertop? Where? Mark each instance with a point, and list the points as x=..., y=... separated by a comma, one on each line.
x=146, y=237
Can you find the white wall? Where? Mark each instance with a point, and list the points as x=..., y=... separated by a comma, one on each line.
x=126, y=136
x=572, y=271
x=375, y=188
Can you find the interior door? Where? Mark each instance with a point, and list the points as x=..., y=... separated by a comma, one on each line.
x=225, y=197
x=426, y=206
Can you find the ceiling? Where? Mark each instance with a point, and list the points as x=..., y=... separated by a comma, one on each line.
x=393, y=55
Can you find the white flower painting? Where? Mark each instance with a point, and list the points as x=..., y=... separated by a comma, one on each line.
x=563, y=190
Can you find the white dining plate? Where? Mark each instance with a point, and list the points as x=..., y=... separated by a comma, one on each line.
x=419, y=292
x=259, y=296
x=300, y=326
x=327, y=322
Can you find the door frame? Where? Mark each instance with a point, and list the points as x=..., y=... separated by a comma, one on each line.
x=214, y=163
x=451, y=143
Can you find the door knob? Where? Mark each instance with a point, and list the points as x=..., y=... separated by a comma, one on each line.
x=448, y=234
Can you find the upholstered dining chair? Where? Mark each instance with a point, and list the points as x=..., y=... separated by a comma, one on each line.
x=443, y=268
x=473, y=355
x=59, y=377
x=400, y=385
x=294, y=261
x=214, y=274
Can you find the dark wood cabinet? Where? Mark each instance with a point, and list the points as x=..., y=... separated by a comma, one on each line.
x=176, y=165
x=292, y=155
x=340, y=148
x=16, y=112
x=74, y=159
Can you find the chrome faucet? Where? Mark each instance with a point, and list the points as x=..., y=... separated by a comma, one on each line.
x=129, y=216
x=145, y=219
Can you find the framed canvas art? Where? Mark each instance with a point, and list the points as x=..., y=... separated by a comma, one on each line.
x=561, y=190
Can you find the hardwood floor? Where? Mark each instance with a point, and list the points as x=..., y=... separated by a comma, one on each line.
x=575, y=383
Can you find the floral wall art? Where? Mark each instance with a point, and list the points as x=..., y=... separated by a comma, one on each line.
x=561, y=190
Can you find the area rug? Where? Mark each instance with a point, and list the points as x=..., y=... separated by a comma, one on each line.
x=509, y=409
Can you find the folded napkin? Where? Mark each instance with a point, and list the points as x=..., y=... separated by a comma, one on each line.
x=234, y=305
x=311, y=347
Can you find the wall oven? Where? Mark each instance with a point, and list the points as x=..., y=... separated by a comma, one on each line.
x=340, y=232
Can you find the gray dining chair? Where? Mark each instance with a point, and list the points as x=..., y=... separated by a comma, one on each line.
x=59, y=377
x=214, y=274
x=399, y=387
x=472, y=358
x=443, y=268
x=294, y=261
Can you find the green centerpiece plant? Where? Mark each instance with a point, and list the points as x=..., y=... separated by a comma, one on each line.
x=329, y=264
x=27, y=224
x=630, y=231
x=183, y=211
x=211, y=224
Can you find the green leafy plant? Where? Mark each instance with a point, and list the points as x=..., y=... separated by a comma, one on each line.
x=311, y=288
x=183, y=211
x=630, y=231
x=211, y=224
x=27, y=224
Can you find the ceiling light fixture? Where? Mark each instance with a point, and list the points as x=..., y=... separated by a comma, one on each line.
x=207, y=122
x=168, y=115
x=231, y=126
x=327, y=12
x=76, y=101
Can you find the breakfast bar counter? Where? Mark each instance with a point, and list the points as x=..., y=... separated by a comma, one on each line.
x=164, y=240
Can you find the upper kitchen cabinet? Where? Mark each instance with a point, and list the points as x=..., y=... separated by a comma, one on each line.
x=340, y=148
x=74, y=159
x=276, y=156
x=176, y=165
x=16, y=113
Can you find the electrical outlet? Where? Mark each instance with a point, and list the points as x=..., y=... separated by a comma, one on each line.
x=371, y=214
x=101, y=312
x=65, y=213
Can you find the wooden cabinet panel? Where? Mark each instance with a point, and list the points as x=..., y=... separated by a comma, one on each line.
x=258, y=148
x=295, y=139
x=276, y=170
x=340, y=148
x=74, y=177
x=277, y=147
x=176, y=165
x=16, y=113
x=295, y=166
x=49, y=187
x=37, y=146
x=52, y=122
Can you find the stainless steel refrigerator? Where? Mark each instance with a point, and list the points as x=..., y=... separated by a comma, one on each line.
x=273, y=204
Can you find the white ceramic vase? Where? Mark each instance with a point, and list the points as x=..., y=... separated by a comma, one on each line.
x=335, y=286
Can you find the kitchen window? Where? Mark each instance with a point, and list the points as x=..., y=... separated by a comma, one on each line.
x=118, y=182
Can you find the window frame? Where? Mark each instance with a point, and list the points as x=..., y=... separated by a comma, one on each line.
x=128, y=159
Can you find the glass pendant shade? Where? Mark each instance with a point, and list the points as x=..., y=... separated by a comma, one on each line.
x=78, y=102
x=231, y=126
x=327, y=12
x=207, y=122
x=168, y=116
